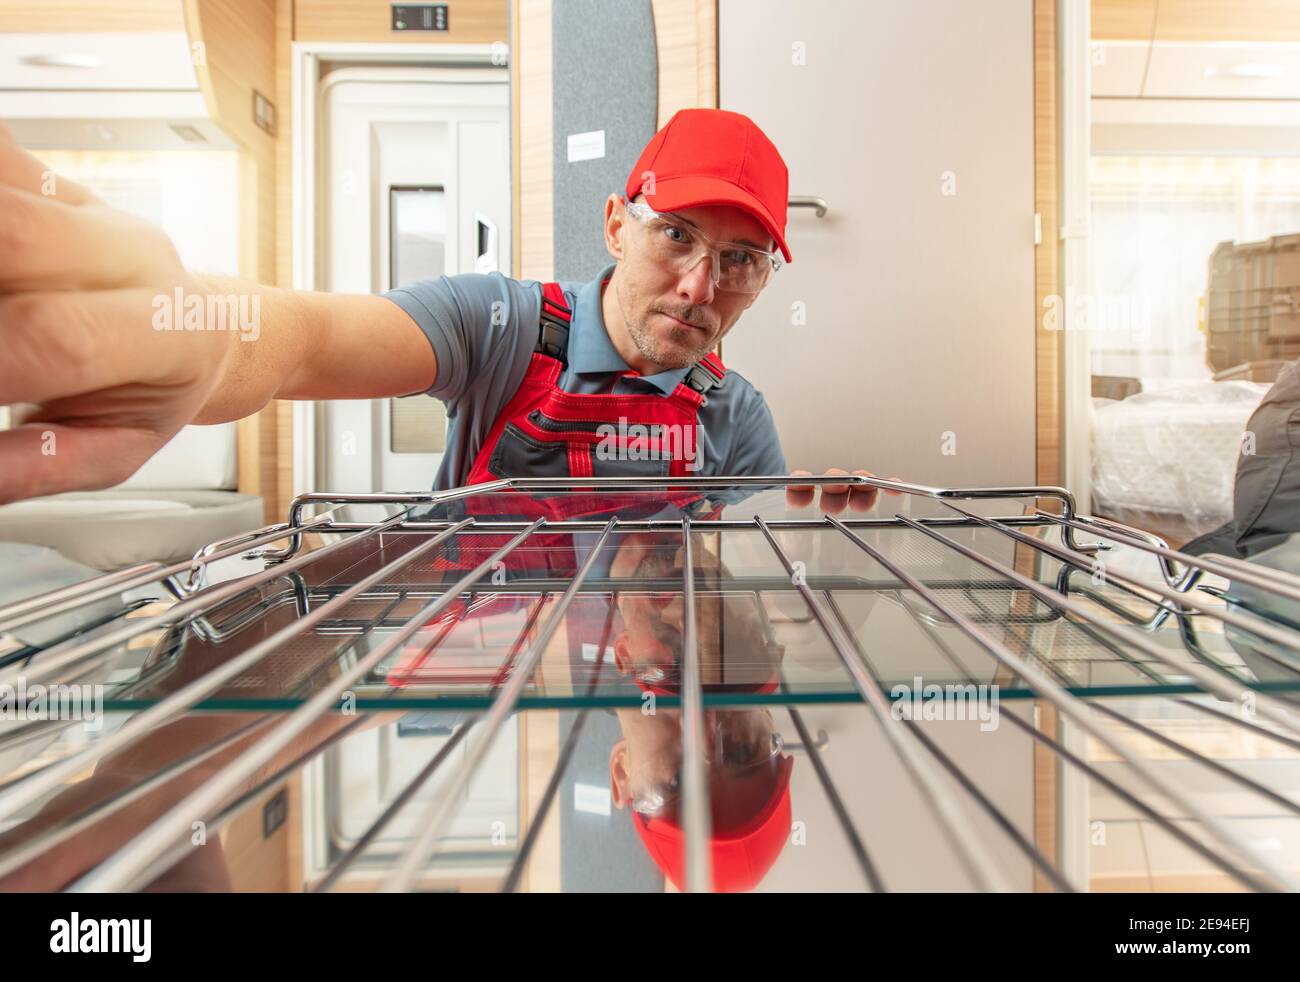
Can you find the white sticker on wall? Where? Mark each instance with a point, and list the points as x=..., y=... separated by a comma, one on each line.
x=586, y=146
x=589, y=652
x=591, y=798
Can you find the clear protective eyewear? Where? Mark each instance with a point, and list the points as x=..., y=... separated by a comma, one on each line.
x=738, y=758
x=676, y=244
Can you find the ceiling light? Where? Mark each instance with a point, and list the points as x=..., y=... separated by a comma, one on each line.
x=188, y=133
x=67, y=59
x=1246, y=69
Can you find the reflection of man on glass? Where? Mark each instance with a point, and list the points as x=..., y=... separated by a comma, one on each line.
x=749, y=791
x=748, y=775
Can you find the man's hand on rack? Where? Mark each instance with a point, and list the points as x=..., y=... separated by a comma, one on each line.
x=835, y=497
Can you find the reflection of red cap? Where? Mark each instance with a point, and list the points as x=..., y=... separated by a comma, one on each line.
x=741, y=855
x=714, y=157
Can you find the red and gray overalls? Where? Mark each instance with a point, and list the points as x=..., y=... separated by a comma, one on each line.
x=546, y=432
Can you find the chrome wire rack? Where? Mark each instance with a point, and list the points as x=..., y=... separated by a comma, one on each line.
x=746, y=595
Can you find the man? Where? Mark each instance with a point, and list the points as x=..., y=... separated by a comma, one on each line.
x=697, y=234
x=535, y=377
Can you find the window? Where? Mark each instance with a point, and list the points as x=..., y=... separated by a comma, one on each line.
x=1155, y=221
x=417, y=222
x=418, y=229
x=192, y=194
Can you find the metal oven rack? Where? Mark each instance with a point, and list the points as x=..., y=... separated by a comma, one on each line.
x=314, y=628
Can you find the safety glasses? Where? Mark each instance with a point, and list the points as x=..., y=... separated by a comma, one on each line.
x=678, y=245
x=732, y=757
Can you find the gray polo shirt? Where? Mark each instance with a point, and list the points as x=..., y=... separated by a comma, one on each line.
x=483, y=330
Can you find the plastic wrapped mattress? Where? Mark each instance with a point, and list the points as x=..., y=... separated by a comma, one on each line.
x=1172, y=451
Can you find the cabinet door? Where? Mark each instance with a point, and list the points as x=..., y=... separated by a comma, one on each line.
x=901, y=338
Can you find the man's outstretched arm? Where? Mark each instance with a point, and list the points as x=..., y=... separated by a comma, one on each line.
x=312, y=345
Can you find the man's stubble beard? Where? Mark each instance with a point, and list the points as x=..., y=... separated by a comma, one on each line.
x=686, y=351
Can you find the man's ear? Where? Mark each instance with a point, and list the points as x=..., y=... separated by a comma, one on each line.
x=620, y=789
x=615, y=221
x=622, y=653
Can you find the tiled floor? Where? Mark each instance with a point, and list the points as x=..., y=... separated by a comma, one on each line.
x=1130, y=852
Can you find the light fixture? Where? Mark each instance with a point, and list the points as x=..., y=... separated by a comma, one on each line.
x=188, y=133
x=67, y=59
x=1245, y=69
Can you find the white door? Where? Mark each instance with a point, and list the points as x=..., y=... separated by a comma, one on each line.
x=901, y=338
x=416, y=172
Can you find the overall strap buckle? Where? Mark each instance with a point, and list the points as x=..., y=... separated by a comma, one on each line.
x=705, y=374
x=553, y=329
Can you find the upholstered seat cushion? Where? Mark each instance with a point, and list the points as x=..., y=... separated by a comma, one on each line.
x=120, y=527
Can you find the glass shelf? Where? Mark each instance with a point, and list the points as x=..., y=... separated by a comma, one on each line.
x=525, y=687
x=620, y=638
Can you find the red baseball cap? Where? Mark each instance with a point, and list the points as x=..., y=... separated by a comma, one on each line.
x=741, y=854
x=714, y=157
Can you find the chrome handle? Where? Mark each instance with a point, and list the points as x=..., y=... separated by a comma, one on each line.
x=820, y=742
x=809, y=201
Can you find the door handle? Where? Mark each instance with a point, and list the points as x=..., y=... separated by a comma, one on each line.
x=485, y=244
x=809, y=201
x=820, y=742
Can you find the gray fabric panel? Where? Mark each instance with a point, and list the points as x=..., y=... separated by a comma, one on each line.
x=599, y=854
x=1284, y=556
x=1222, y=540
x=605, y=77
x=1266, y=499
x=1266, y=503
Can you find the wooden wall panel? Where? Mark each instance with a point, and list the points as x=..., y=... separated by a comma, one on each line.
x=89, y=16
x=1047, y=791
x=539, y=746
x=265, y=865
x=239, y=40
x=1196, y=20
x=1228, y=20
x=1047, y=344
x=469, y=22
x=281, y=413
x=686, y=35
x=284, y=143
x=1048, y=371
x=1123, y=20
x=531, y=78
